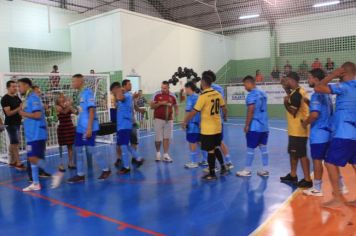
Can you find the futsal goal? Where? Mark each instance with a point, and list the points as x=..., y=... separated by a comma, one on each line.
x=51, y=86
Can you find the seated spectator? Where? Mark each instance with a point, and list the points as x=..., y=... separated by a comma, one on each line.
x=329, y=66
x=275, y=74
x=287, y=67
x=317, y=64
x=259, y=77
x=54, y=79
x=303, y=70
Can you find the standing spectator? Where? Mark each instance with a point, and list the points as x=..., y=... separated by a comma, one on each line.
x=317, y=64
x=259, y=77
x=329, y=65
x=303, y=70
x=54, y=79
x=297, y=111
x=11, y=105
x=163, y=103
x=65, y=130
x=287, y=67
x=275, y=74
x=141, y=103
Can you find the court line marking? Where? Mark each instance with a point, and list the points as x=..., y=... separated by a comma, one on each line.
x=274, y=128
x=83, y=212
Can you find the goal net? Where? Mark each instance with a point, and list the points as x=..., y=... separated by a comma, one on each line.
x=51, y=86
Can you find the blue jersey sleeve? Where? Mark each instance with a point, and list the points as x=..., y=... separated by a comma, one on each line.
x=90, y=99
x=337, y=88
x=190, y=104
x=315, y=103
x=34, y=104
x=251, y=99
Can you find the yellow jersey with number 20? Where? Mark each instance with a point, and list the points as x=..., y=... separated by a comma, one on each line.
x=209, y=104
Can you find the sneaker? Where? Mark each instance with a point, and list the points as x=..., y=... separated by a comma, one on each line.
x=203, y=163
x=20, y=167
x=158, y=156
x=305, y=184
x=313, y=192
x=118, y=163
x=137, y=163
x=32, y=187
x=13, y=165
x=206, y=170
x=72, y=167
x=243, y=173
x=124, y=171
x=344, y=190
x=61, y=168
x=57, y=179
x=289, y=179
x=104, y=175
x=191, y=165
x=230, y=166
x=76, y=179
x=263, y=173
x=167, y=158
x=224, y=171
x=209, y=177
x=44, y=174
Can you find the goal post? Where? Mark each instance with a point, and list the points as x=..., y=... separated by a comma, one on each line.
x=51, y=85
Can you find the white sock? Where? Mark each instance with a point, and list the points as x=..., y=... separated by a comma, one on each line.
x=165, y=155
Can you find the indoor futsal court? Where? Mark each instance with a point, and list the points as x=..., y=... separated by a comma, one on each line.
x=178, y=117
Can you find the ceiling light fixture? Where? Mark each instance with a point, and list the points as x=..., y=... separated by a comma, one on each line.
x=248, y=17
x=324, y=4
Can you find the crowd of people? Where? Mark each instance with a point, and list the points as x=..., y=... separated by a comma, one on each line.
x=332, y=132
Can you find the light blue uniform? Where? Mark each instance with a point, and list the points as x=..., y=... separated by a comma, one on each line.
x=194, y=123
x=125, y=112
x=86, y=101
x=259, y=122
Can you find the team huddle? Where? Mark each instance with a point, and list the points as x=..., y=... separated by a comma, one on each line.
x=332, y=132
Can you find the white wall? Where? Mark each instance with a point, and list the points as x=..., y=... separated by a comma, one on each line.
x=96, y=43
x=25, y=25
x=251, y=45
x=155, y=48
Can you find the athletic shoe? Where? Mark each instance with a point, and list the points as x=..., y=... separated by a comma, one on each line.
x=73, y=167
x=118, y=163
x=124, y=171
x=206, y=170
x=203, y=163
x=76, y=179
x=13, y=165
x=305, y=184
x=20, y=167
x=57, y=179
x=61, y=168
x=191, y=165
x=344, y=190
x=243, y=173
x=158, y=156
x=313, y=192
x=230, y=166
x=224, y=171
x=32, y=187
x=137, y=163
x=209, y=177
x=167, y=158
x=104, y=175
x=289, y=179
x=263, y=173
x=44, y=174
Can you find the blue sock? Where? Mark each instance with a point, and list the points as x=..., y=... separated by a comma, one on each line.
x=134, y=153
x=41, y=164
x=249, y=158
x=80, y=161
x=125, y=156
x=193, y=156
x=35, y=178
x=317, y=184
x=264, y=154
x=227, y=158
x=100, y=159
x=205, y=155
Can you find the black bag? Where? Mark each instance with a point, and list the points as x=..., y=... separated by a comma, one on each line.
x=107, y=128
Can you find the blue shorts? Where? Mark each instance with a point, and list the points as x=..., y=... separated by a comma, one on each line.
x=319, y=150
x=36, y=149
x=341, y=152
x=123, y=137
x=81, y=140
x=14, y=133
x=255, y=139
x=113, y=115
x=193, y=137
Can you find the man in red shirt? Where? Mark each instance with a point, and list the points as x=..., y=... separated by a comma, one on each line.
x=317, y=64
x=164, y=102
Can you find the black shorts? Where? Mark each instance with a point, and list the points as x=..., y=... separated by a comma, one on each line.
x=297, y=146
x=210, y=142
x=14, y=133
x=133, y=136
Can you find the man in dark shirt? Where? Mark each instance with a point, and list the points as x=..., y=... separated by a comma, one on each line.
x=11, y=105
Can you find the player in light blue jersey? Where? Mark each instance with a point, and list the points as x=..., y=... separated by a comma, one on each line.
x=342, y=148
x=224, y=148
x=125, y=122
x=321, y=110
x=256, y=127
x=87, y=127
x=193, y=128
x=35, y=128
